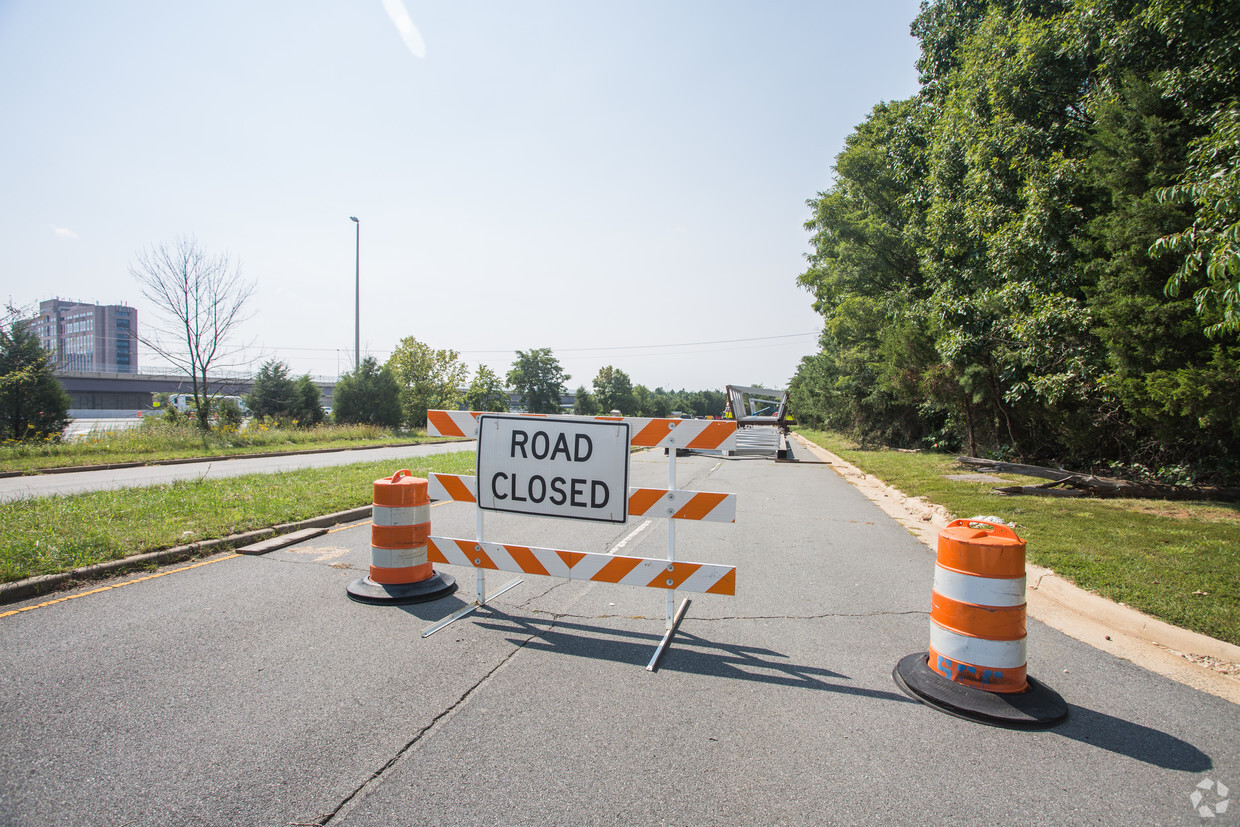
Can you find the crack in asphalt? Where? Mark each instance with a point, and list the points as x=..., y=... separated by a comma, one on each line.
x=343, y=808
x=346, y=805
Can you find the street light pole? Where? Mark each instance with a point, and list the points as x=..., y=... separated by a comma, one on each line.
x=357, y=299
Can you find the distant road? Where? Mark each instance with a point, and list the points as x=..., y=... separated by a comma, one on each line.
x=84, y=425
x=43, y=485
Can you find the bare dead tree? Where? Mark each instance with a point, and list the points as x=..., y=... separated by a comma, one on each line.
x=200, y=299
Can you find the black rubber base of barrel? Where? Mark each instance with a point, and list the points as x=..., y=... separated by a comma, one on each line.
x=1038, y=707
x=394, y=594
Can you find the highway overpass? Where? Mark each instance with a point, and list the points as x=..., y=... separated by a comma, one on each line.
x=134, y=391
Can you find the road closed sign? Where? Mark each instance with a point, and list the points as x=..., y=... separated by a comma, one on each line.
x=554, y=467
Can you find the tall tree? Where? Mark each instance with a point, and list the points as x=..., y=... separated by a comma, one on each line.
x=200, y=300
x=584, y=403
x=486, y=392
x=33, y=405
x=536, y=375
x=613, y=391
x=367, y=396
x=308, y=403
x=273, y=393
x=429, y=379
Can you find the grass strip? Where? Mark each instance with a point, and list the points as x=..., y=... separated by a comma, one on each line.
x=158, y=439
x=1177, y=561
x=46, y=535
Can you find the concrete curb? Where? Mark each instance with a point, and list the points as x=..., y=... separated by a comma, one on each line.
x=72, y=469
x=1175, y=653
x=35, y=586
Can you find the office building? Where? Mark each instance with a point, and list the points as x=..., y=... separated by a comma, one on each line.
x=89, y=338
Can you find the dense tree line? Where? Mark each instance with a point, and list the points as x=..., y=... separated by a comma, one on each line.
x=417, y=378
x=615, y=391
x=1038, y=255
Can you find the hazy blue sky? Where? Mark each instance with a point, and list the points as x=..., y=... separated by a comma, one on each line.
x=604, y=179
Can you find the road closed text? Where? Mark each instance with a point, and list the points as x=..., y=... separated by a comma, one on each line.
x=554, y=467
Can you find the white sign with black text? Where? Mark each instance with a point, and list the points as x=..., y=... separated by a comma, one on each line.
x=554, y=467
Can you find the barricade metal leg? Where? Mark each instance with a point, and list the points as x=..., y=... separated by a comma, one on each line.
x=673, y=615
x=480, y=590
x=672, y=626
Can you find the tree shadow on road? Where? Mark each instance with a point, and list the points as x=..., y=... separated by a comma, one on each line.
x=687, y=653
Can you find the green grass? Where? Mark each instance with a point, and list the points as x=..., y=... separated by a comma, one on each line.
x=53, y=534
x=156, y=439
x=1178, y=561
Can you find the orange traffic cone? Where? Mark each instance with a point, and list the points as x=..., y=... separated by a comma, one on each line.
x=401, y=524
x=976, y=664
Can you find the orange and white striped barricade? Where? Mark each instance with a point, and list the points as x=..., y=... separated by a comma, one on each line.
x=400, y=571
x=668, y=574
x=975, y=667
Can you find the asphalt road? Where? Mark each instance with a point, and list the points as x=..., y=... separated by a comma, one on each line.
x=250, y=690
x=43, y=485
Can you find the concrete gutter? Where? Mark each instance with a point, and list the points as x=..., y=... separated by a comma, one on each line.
x=1189, y=658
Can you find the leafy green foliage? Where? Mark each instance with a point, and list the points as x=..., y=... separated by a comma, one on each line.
x=614, y=391
x=429, y=379
x=273, y=394
x=33, y=405
x=1212, y=244
x=277, y=396
x=486, y=392
x=584, y=403
x=367, y=396
x=1039, y=254
x=538, y=378
x=308, y=407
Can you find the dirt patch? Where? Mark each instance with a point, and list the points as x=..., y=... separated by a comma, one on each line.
x=1179, y=511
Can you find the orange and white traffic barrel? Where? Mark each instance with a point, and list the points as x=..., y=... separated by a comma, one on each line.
x=977, y=614
x=400, y=525
x=976, y=663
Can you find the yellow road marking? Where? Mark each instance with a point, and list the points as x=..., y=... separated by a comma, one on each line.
x=117, y=585
x=161, y=574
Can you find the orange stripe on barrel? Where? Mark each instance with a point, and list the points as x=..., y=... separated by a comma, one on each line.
x=401, y=490
x=399, y=536
x=995, y=553
x=1003, y=681
x=988, y=622
x=406, y=574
